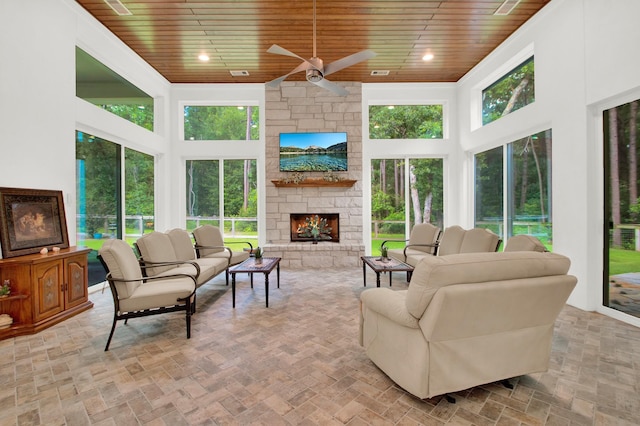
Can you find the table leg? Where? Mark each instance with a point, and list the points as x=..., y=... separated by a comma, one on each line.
x=233, y=288
x=390, y=273
x=266, y=288
x=378, y=279
x=278, y=272
x=251, y=275
x=364, y=273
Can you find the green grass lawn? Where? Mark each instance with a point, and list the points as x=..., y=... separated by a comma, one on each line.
x=621, y=261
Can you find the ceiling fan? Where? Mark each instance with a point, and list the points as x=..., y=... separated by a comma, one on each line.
x=315, y=68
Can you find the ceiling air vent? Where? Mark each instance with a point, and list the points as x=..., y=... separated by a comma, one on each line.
x=506, y=7
x=380, y=72
x=118, y=7
x=242, y=73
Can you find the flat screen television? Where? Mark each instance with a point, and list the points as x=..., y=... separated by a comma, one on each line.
x=313, y=152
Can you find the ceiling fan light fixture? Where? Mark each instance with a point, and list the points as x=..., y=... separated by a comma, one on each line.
x=314, y=75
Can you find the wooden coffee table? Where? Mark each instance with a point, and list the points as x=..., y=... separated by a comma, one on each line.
x=378, y=266
x=249, y=266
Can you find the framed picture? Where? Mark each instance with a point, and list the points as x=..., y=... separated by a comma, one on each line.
x=31, y=219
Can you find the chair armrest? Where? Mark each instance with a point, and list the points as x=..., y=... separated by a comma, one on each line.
x=390, y=304
x=433, y=245
x=147, y=264
x=391, y=241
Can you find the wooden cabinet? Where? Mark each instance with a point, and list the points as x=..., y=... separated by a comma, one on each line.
x=45, y=289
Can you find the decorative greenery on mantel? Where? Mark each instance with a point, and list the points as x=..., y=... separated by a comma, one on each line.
x=299, y=180
x=345, y=183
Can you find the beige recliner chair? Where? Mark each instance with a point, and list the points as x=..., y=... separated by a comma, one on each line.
x=136, y=296
x=466, y=320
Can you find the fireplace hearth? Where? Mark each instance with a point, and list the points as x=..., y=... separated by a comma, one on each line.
x=315, y=227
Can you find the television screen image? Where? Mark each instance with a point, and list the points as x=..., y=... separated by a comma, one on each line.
x=313, y=152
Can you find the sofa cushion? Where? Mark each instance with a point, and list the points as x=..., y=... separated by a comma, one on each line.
x=434, y=272
x=182, y=244
x=156, y=247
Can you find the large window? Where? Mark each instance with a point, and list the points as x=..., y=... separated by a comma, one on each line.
x=215, y=123
x=622, y=205
x=511, y=92
x=525, y=206
x=106, y=89
x=405, y=122
x=404, y=192
x=100, y=200
x=223, y=193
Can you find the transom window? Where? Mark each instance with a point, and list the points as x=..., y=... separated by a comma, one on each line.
x=511, y=92
x=214, y=123
x=405, y=122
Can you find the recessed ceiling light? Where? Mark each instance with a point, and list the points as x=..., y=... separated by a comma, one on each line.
x=506, y=7
x=380, y=72
x=427, y=57
x=239, y=73
x=203, y=57
x=118, y=7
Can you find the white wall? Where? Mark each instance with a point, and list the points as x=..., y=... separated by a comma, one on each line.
x=39, y=111
x=583, y=57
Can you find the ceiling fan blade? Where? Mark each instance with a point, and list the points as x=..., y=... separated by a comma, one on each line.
x=277, y=81
x=347, y=61
x=275, y=49
x=326, y=84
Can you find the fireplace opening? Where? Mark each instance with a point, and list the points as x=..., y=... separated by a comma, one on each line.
x=315, y=227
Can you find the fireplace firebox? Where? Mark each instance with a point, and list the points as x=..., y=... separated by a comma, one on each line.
x=315, y=227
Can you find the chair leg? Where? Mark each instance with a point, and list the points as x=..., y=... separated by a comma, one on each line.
x=188, y=318
x=226, y=273
x=113, y=328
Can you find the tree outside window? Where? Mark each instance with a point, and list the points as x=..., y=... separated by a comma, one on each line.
x=511, y=92
x=405, y=122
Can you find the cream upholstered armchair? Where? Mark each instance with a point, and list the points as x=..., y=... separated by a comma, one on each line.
x=210, y=244
x=422, y=240
x=466, y=320
x=136, y=296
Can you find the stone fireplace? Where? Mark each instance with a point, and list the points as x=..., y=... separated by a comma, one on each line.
x=328, y=225
x=303, y=107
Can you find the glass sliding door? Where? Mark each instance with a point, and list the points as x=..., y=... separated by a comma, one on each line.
x=223, y=193
x=400, y=183
x=139, y=199
x=98, y=192
x=489, y=191
x=100, y=197
x=524, y=205
x=240, y=201
x=621, y=287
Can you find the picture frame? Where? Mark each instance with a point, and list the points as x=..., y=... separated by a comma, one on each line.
x=30, y=220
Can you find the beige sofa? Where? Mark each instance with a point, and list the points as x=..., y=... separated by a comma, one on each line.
x=173, y=253
x=466, y=320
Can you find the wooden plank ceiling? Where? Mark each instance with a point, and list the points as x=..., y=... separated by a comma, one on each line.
x=171, y=34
